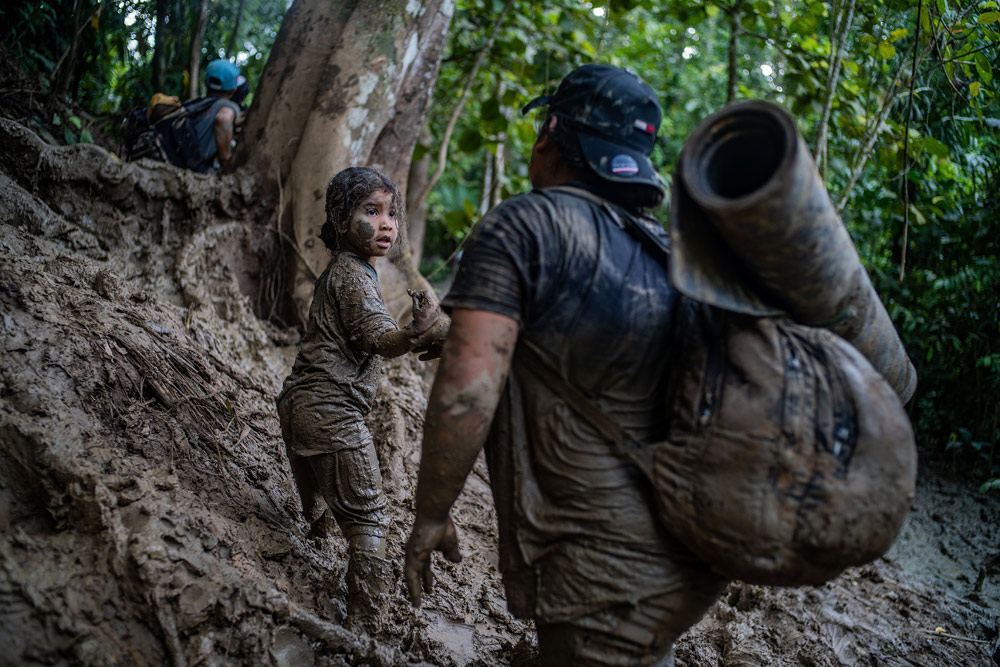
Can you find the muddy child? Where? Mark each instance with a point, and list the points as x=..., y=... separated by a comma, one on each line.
x=324, y=400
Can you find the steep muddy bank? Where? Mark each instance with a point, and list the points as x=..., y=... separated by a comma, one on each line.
x=147, y=514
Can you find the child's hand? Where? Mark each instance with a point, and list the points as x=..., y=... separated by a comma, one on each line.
x=430, y=343
x=425, y=311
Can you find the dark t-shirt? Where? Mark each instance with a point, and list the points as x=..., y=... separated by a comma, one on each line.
x=578, y=528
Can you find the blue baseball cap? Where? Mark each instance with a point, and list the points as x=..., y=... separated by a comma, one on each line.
x=220, y=75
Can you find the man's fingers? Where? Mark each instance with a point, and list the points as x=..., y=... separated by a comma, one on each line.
x=428, y=576
x=413, y=581
x=449, y=547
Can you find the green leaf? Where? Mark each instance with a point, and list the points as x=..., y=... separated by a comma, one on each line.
x=456, y=221
x=491, y=109
x=69, y=136
x=898, y=34
x=470, y=140
x=935, y=147
x=711, y=10
x=75, y=122
x=974, y=88
x=984, y=67
x=85, y=137
x=886, y=51
x=949, y=67
x=420, y=150
x=991, y=485
x=987, y=18
x=942, y=6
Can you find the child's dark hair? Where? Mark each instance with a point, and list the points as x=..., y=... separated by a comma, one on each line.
x=348, y=190
x=636, y=196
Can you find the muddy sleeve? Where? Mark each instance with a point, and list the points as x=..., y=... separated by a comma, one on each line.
x=364, y=317
x=508, y=260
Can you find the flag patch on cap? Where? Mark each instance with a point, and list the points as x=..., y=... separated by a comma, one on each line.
x=624, y=165
x=644, y=126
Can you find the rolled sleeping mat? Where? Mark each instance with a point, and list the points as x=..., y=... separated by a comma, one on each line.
x=754, y=231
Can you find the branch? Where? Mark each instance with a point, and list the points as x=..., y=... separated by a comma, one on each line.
x=735, y=13
x=457, y=111
x=865, y=151
x=842, y=26
x=906, y=147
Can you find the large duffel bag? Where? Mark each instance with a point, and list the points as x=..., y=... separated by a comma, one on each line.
x=788, y=458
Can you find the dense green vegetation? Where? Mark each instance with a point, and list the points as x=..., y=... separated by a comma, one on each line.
x=898, y=100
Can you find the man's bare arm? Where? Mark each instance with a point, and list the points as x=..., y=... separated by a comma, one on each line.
x=224, y=121
x=473, y=371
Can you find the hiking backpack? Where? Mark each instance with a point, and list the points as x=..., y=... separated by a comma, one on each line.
x=165, y=131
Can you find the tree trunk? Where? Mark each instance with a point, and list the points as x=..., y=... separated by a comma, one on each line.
x=160, y=48
x=194, y=53
x=416, y=208
x=346, y=84
x=838, y=38
x=64, y=68
x=735, y=28
x=236, y=29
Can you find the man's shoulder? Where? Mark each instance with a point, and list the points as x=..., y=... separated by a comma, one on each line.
x=539, y=206
x=223, y=103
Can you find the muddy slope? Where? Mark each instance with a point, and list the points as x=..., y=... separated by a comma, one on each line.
x=147, y=514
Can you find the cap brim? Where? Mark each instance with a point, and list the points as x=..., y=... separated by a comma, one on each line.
x=540, y=101
x=617, y=163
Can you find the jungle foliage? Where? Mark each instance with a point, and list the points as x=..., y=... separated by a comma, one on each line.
x=898, y=100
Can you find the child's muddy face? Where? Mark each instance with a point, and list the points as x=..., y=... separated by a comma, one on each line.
x=372, y=229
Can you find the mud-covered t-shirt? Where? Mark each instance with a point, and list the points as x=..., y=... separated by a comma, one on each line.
x=336, y=371
x=578, y=528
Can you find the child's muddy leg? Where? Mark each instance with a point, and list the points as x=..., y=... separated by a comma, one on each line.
x=351, y=482
x=314, y=506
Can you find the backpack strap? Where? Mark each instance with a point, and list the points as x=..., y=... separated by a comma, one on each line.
x=655, y=246
x=529, y=359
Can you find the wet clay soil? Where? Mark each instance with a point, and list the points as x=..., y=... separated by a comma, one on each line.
x=148, y=517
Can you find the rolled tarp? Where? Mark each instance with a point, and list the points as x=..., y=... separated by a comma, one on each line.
x=754, y=231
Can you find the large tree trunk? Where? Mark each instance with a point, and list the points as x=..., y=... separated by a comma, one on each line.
x=160, y=48
x=236, y=29
x=194, y=53
x=347, y=84
x=67, y=64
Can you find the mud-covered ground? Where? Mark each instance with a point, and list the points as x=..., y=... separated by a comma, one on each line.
x=147, y=514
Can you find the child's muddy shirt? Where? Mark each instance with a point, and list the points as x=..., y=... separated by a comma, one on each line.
x=578, y=530
x=336, y=372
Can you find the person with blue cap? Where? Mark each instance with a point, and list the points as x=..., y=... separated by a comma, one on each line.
x=214, y=125
x=557, y=293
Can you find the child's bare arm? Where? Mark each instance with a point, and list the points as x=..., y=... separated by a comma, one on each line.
x=399, y=341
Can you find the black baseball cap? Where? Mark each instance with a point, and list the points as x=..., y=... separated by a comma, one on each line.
x=615, y=116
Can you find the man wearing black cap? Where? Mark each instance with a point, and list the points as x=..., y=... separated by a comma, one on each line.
x=557, y=281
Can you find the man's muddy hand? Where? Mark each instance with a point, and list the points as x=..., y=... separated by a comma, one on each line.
x=427, y=536
x=425, y=310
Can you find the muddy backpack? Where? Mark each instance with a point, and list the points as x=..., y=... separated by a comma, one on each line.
x=788, y=458
x=165, y=131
